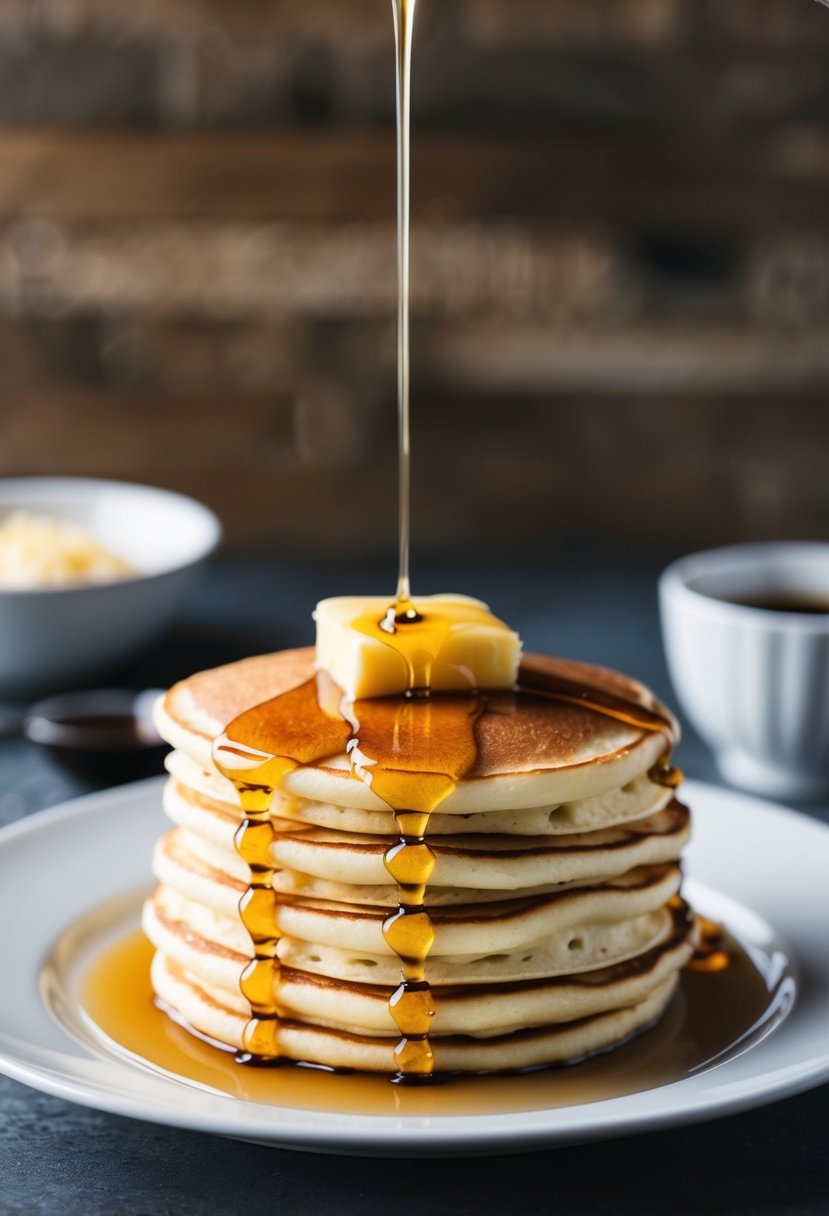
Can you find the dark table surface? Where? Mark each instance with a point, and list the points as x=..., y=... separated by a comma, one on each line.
x=63, y=1159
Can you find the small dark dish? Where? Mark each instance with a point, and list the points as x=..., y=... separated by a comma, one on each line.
x=103, y=734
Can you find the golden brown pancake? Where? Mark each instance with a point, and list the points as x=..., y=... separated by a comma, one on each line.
x=531, y=751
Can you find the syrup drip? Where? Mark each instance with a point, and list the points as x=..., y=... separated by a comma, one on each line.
x=404, y=15
x=664, y=773
x=600, y=700
x=712, y=952
x=306, y=733
x=413, y=752
x=418, y=638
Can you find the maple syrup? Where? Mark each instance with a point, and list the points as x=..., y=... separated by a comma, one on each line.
x=404, y=18
x=411, y=750
x=711, y=1018
x=712, y=952
x=256, y=753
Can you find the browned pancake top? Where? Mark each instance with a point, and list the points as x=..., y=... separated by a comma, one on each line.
x=517, y=733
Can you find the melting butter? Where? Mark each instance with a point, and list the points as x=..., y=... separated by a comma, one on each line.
x=443, y=643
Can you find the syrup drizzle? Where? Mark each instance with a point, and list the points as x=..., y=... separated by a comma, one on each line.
x=411, y=751
x=257, y=760
x=404, y=15
x=600, y=700
x=419, y=637
x=712, y=952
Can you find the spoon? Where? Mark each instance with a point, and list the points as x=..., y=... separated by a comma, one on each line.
x=103, y=734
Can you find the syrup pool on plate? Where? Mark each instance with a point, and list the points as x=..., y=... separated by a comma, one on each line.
x=714, y=1016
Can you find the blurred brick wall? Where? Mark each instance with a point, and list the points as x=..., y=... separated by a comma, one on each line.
x=621, y=263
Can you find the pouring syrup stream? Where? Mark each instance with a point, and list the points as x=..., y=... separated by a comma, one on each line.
x=404, y=15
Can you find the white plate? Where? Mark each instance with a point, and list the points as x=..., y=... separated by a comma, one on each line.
x=58, y=866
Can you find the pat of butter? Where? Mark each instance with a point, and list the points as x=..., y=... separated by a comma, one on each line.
x=454, y=644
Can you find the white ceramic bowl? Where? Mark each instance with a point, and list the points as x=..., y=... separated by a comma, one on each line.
x=53, y=637
x=754, y=682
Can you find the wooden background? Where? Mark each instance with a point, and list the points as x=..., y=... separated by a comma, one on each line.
x=621, y=264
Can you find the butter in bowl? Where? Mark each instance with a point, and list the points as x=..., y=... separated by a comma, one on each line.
x=91, y=572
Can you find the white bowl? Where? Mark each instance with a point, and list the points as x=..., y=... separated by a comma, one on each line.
x=55, y=636
x=753, y=681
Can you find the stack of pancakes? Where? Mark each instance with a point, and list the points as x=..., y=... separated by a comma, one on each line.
x=558, y=931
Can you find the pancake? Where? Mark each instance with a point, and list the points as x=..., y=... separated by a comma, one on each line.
x=552, y=897
x=639, y=797
x=311, y=1042
x=531, y=752
x=486, y=862
x=506, y=942
x=485, y=1010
